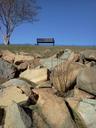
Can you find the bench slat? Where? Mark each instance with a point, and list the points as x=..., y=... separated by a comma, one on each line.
x=45, y=40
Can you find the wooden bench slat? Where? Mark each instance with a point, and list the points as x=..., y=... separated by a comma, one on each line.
x=45, y=40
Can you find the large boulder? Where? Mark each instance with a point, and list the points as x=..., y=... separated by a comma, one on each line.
x=84, y=112
x=35, y=75
x=64, y=75
x=16, y=117
x=86, y=80
x=7, y=70
x=53, y=109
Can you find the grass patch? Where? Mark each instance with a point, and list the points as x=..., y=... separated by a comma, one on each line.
x=41, y=49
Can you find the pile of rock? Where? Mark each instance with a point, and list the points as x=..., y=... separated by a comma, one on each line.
x=53, y=92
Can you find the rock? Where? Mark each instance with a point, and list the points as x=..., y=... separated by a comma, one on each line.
x=37, y=55
x=2, y=80
x=72, y=103
x=23, y=66
x=35, y=75
x=91, y=64
x=88, y=55
x=53, y=109
x=64, y=75
x=74, y=57
x=82, y=94
x=50, y=62
x=21, y=84
x=59, y=58
x=64, y=54
x=45, y=84
x=85, y=113
x=53, y=61
x=31, y=64
x=47, y=52
x=86, y=80
x=7, y=70
x=68, y=55
x=8, y=56
x=59, y=53
x=16, y=117
x=38, y=121
x=12, y=93
x=21, y=58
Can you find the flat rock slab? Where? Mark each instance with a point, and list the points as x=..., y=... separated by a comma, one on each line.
x=35, y=75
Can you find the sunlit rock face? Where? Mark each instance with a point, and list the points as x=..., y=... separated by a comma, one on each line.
x=86, y=80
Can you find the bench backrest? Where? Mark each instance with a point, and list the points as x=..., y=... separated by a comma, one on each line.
x=45, y=40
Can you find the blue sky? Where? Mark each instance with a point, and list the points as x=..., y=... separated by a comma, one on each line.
x=70, y=22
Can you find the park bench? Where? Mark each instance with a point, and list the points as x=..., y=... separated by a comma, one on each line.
x=45, y=40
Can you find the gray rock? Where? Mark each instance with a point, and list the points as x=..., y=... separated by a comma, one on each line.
x=66, y=54
x=50, y=63
x=58, y=58
x=86, y=80
x=86, y=112
x=83, y=112
x=7, y=70
x=16, y=117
